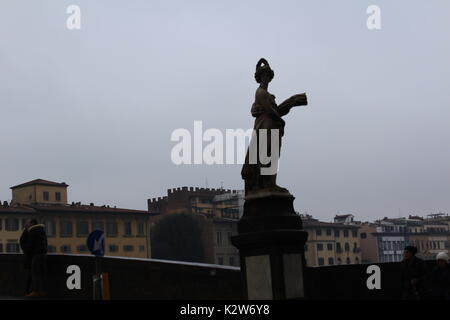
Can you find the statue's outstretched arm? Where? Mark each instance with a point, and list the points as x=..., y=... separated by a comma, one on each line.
x=294, y=101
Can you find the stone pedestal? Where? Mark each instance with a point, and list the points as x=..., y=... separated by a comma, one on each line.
x=271, y=246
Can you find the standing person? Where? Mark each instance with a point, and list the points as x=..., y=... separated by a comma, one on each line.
x=413, y=271
x=27, y=256
x=34, y=246
x=439, y=280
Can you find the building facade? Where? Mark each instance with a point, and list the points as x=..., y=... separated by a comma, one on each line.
x=127, y=232
x=221, y=208
x=331, y=243
x=369, y=245
x=429, y=235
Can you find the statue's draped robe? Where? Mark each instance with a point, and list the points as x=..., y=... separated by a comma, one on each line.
x=262, y=110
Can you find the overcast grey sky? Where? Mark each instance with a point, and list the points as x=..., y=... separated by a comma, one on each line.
x=95, y=107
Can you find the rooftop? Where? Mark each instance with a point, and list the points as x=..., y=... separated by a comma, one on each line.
x=41, y=182
x=72, y=208
x=316, y=223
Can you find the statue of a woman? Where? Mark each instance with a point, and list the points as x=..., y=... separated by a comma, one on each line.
x=268, y=116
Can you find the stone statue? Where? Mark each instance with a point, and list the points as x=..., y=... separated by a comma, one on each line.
x=270, y=238
x=268, y=116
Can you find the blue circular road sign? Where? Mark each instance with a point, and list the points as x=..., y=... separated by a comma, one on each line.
x=96, y=242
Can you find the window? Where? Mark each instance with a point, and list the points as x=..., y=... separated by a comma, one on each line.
x=363, y=235
x=23, y=222
x=338, y=247
x=220, y=260
x=98, y=225
x=330, y=261
x=347, y=247
x=82, y=248
x=127, y=228
x=50, y=228
x=141, y=248
x=1, y=247
x=113, y=248
x=141, y=228
x=356, y=260
x=318, y=232
x=348, y=261
x=128, y=248
x=336, y=233
x=329, y=246
x=231, y=261
x=339, y=261
x=66, y=228
x=111, y=229
x=58, y=196
x=219, y=238
x=230, y=234
x=82, y=228
x=46, y=196
x=319, y=247
x=328, y=232
x=12, y=224
x=12, y=247
x=346, y=233
x=51, y=249
x=65, y=249
x=321, y=261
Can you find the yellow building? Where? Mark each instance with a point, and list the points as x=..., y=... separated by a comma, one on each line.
x=39, y=191
x=331, y=243
x=127, y=232
x=430, y=238
x=369, y=243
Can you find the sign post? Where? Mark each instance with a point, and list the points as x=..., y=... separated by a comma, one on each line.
x=96, y=244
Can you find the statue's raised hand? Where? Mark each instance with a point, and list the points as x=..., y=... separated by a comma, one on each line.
x=299, y=100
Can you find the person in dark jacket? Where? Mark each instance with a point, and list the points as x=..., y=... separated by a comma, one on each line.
x=439, y=280
x=413, y=272
x=34, y=247
x=27, y=256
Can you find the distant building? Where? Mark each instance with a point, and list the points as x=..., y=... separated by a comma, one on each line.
x=430, y=236
x=369, y=246
x=392, y=238
x=222, y=210
x=39, y=192
x=127, y=232
x=344, y=219
x=331, y=243
x=217, y=202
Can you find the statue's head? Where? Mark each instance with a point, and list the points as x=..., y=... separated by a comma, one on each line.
x=263, y=74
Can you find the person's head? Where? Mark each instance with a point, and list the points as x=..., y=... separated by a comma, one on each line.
x=442, y=259
x=409, y=252
x=32, y=222
x=264, y=74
